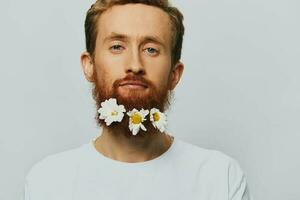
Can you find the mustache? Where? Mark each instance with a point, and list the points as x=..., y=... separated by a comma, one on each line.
x=136, y=78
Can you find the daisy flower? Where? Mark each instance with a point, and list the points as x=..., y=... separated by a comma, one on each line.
x=158, y=119
x=110, y=111
x=136, y=118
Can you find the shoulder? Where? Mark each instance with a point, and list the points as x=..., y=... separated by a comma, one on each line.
x=53, y=174
x=62, y=164
x=212, y=156
x=219, y=168
x=212, y=162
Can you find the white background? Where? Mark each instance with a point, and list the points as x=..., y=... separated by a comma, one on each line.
x=239, y=93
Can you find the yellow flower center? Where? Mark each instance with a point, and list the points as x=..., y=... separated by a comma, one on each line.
x=114, y=113
x=136, y=118
x=156, y=117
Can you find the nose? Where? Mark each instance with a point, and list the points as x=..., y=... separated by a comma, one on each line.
x=135, y=64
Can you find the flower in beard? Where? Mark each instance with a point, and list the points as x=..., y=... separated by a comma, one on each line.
x=158, y=119
x=136, y=119
x=110, y=111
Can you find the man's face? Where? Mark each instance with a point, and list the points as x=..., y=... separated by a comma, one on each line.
x=132, y=59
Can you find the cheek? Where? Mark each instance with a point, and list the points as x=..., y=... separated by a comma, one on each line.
x=159, y=72
x=108, y=70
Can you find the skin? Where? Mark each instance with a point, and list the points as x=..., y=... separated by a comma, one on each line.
x=133, y=38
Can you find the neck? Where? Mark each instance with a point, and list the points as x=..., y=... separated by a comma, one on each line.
x=132, y=149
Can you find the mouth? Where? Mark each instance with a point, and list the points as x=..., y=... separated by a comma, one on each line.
x=134, y=85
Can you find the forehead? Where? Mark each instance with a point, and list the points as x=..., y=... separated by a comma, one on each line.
x=135, y=20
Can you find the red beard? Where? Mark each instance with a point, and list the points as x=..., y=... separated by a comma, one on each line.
x=152, y=98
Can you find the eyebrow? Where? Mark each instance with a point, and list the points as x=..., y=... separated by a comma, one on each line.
x=123, y=37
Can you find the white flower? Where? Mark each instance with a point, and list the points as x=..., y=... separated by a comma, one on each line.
x=158, y=119
x=110, y=111
x=136, y=118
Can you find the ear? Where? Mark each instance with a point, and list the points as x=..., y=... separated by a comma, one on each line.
x=176, y=74
x=87, y=66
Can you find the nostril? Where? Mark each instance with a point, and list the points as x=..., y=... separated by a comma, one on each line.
x=136, y=72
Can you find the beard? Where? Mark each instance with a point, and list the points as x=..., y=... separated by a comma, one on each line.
x=153, y=97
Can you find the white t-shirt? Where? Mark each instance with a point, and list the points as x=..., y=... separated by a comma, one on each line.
x=183, y=172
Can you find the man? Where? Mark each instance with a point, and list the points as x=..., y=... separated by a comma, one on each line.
x=133, y=61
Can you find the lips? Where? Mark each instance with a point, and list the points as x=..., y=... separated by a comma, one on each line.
x=134, y=84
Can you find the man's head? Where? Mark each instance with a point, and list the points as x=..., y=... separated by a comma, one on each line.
x=101, y=6
x=133, y=52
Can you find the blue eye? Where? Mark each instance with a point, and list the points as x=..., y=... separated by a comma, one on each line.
x=151, y=50
x=116, y=47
